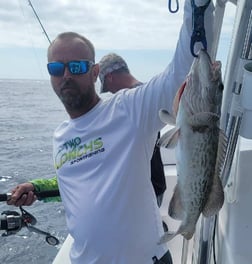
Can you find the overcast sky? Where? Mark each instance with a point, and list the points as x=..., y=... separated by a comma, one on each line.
x=142, y=31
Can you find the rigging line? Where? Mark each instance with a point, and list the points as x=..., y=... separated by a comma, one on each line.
x=34, y=11
x=28, y=29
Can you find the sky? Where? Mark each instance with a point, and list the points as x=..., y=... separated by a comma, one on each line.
x=144, y=32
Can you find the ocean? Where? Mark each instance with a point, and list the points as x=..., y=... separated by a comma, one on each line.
x=30, y=111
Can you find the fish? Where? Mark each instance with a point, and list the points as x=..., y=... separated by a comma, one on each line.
x=200, y=146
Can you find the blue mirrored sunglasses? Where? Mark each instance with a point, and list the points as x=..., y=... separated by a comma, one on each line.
x=57, y=68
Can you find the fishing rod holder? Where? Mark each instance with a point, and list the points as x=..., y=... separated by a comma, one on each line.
x=246, y=101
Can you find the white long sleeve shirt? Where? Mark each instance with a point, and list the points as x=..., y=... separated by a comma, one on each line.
x=103, y=165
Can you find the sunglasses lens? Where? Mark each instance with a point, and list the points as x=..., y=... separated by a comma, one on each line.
x=78, y=67
x=56, y=68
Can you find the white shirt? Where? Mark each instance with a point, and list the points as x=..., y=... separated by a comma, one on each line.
x=103, y=165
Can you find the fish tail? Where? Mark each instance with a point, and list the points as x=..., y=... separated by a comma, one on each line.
x=188, y=235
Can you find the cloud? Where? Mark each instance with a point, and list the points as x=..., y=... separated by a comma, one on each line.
x=146, y=28
x=109, y=24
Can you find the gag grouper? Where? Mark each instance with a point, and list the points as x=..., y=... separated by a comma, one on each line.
x=200, y=146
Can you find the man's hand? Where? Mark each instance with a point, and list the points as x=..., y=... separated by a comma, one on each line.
x=22, y=194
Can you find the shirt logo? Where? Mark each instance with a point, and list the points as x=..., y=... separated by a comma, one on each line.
x=74, y=151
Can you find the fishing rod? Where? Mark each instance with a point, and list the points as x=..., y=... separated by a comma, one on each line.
x=34, y=11
x=42, y=194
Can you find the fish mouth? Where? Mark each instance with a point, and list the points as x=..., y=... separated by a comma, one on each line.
x=203, y=52
x=204, y=57
x=212, y=68
x=207, y=68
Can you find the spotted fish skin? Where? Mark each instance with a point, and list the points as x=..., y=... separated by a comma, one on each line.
x=200, y=146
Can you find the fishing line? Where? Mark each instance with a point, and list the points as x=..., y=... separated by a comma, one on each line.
x=29, y=35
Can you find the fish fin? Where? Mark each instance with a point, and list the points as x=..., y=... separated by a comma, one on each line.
x=203, y=119
x=176, y=210
x=215, y=199
x=169, y=139
x=178, y=97
x=183, y=230
x=221, y=153
x=166, y=118
x=216, y=196
x=167, y=236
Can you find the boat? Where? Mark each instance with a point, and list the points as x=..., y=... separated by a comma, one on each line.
x=224, y=238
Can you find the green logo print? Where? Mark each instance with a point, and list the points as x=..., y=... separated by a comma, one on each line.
x=74, y=151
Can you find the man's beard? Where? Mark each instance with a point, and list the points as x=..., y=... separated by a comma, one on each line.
x=73, y=98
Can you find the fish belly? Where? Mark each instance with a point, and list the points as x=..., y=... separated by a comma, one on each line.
x=196, y=154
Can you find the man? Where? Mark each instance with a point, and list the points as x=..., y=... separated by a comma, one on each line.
x=115, y=75
x=102, y=153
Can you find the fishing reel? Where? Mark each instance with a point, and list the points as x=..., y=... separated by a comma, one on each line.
x=12, y=222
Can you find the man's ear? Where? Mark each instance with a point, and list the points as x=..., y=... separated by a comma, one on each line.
x=95, y=71
x=109, y=77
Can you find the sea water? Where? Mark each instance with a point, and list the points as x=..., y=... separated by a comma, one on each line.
x=29, y=113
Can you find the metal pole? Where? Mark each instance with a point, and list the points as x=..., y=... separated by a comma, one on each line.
x=184, y=256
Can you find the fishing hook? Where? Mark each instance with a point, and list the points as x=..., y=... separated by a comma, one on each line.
x=198, y=32
x=170, y=6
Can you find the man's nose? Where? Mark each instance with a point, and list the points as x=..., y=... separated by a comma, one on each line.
x=67, y=73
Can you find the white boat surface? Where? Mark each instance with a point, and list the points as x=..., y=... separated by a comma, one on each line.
x=224, y=239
